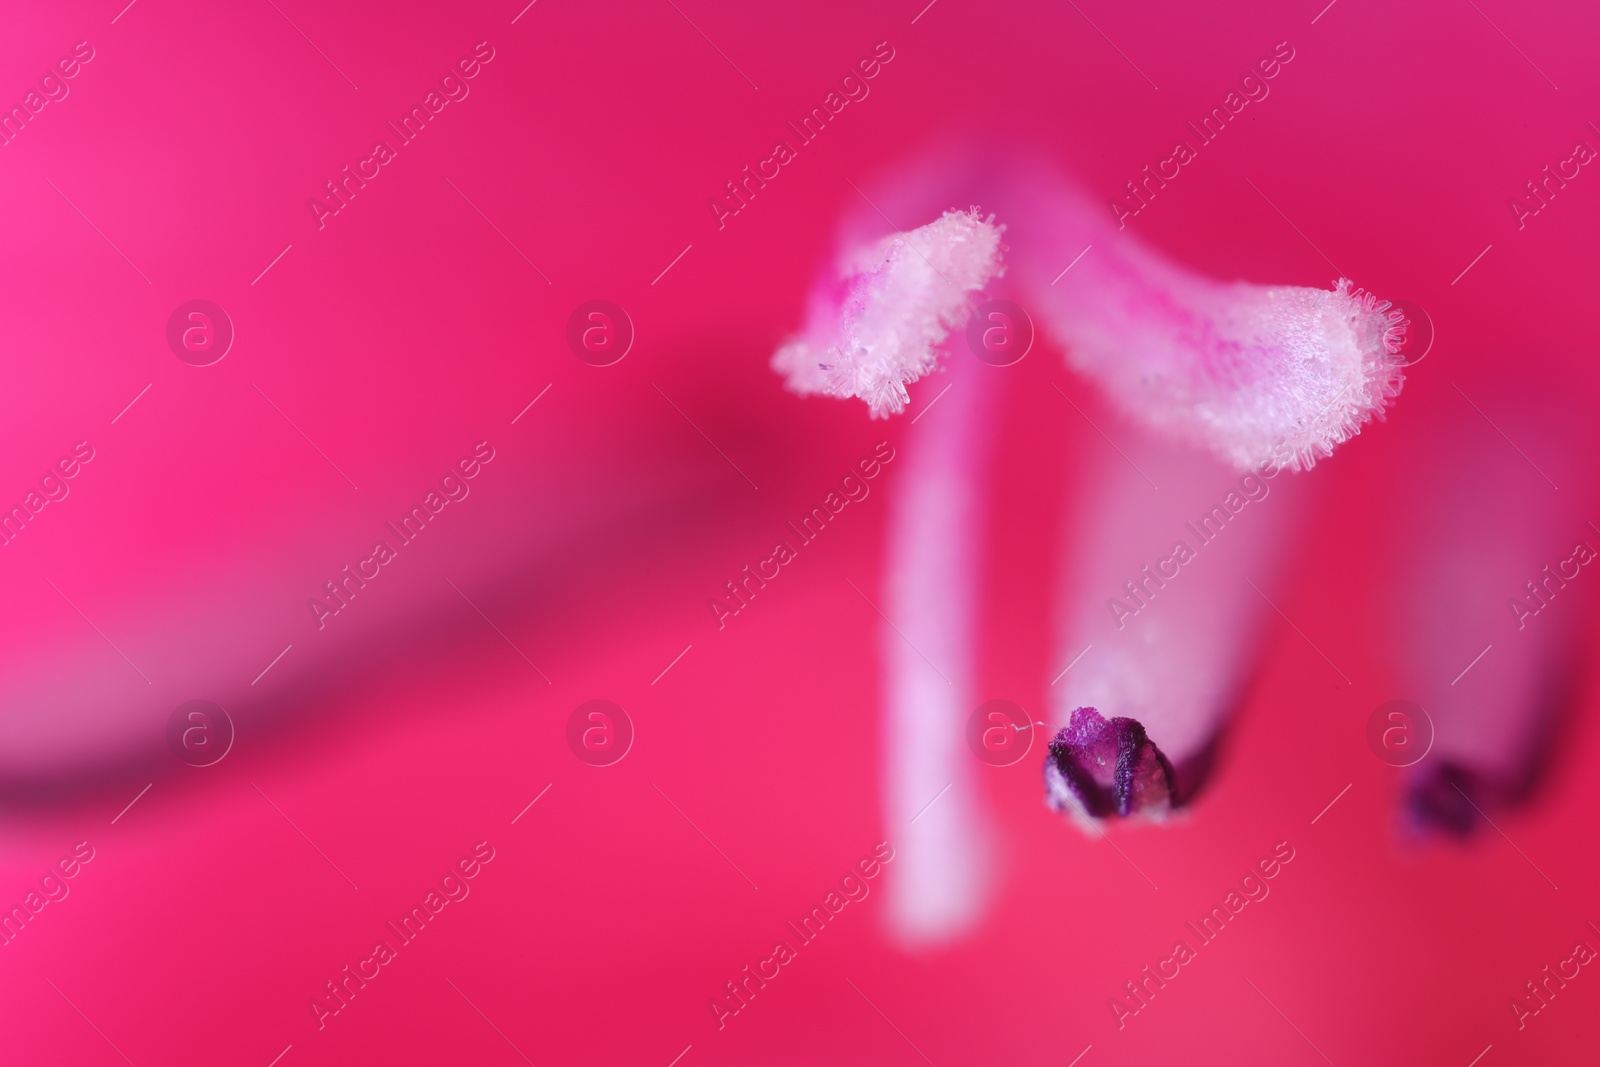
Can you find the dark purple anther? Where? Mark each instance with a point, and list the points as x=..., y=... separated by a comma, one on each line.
x=1099, y=767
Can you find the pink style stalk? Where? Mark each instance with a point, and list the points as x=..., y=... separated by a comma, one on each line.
x=936, y=532
x=1262, y=377
x=874, y=326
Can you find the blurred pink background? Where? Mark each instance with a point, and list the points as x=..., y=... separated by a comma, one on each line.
x=429, y=312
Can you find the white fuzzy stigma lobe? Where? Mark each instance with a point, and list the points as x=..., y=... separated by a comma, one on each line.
x=1341, y=368
x=897, y=300
x=1274, y=376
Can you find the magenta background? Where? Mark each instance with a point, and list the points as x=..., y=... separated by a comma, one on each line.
x=408, y=329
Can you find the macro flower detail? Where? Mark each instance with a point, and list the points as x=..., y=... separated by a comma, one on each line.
x=1212, y=377
x=987, y=537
